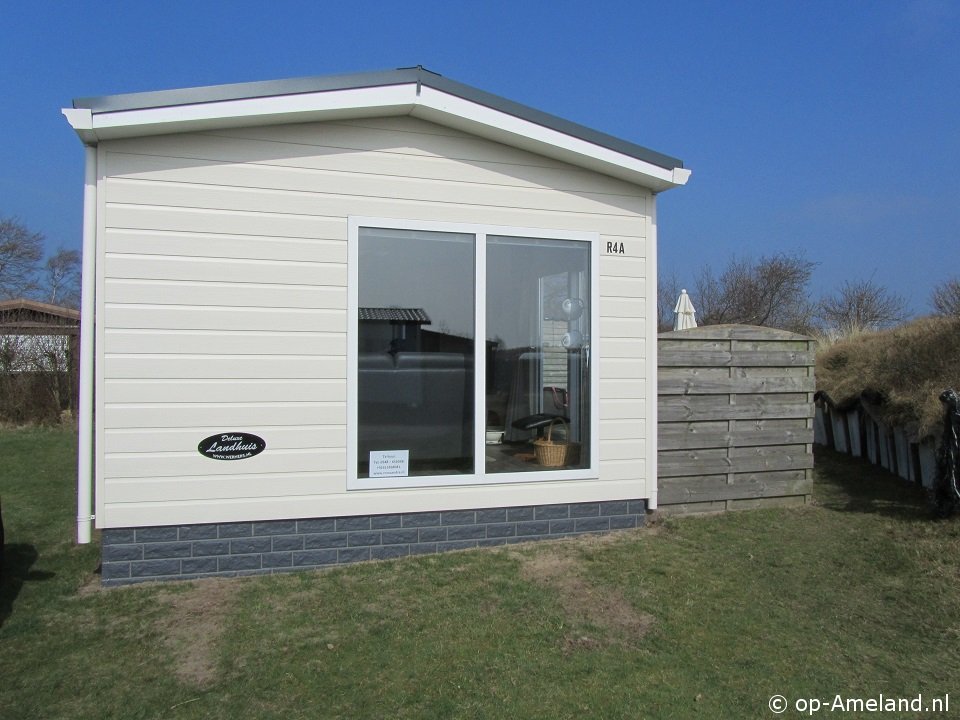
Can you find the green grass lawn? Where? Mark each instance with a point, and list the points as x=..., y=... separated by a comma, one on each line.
x=699, y=617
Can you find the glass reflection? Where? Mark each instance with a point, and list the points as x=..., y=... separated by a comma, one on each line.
x=537, y=335
x=416, y=349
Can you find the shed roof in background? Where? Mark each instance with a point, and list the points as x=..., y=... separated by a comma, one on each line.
x=406, y=315
x=28, y=317
x=407, y=91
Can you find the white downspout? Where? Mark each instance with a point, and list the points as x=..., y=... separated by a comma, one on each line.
x=85, y=449
x=652, y=358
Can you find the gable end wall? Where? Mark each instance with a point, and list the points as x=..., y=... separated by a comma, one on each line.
x=221, y=305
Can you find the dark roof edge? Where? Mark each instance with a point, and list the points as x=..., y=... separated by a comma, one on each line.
x=553, y=122
x=402, y=76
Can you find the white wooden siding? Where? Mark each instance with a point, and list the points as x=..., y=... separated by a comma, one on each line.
x=222, y=307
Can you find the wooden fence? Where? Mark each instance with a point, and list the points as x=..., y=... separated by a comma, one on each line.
x=736, y=416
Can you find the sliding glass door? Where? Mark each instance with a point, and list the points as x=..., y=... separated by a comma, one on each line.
x=431, y=403
x=415, y=353
x=537, y=329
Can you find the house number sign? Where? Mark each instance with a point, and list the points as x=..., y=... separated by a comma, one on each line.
x=231, y=446
x=616, y=248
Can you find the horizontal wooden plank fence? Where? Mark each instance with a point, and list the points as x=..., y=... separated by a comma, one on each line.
x=735, y=418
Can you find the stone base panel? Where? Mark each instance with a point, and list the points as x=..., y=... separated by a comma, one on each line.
x=186, y=552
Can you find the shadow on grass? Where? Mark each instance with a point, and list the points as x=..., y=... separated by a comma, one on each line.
x=18, y=559
x=850, y=484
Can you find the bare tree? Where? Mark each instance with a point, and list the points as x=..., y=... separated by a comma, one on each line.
x=62, y=272
x=771, y=291
x=946, y=297
x=859, y=306
x=20, y=251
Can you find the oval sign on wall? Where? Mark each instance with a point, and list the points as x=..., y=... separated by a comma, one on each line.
x=231, y=446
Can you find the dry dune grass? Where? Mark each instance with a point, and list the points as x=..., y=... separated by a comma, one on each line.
x=901, y=371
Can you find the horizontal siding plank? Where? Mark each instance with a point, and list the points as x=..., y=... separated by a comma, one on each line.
x=619, y=389
x=613, y=286
x=408, y=136
x=739, y=358
x=414, y=137
x=625, y=266
x=622, y=449
x=237, y=247
x=160, y=267
x=223, y=391
x=223, y=221
x=159, y=465
x=234, y=295
x=617, y=409
x=712, y=386
x=176, y=317
x=208, y=342
x=199, y=367
x=633, y=309
x=226, y=416
x=671, y=408
x=627, y=470
x=355, y=182
x=204, y=487
x=186, y=438
x=633, y=348
x=625, y=429
x=361, y=151
x=278, y=205
x=624, y=369
x=614, y=327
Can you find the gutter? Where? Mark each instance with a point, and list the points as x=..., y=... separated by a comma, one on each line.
x=85, y=450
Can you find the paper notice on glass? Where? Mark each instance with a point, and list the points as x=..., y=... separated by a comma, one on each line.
x=389, y=463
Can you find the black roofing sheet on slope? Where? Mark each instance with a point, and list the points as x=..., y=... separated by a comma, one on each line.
x=411, y=315
x=403, y=76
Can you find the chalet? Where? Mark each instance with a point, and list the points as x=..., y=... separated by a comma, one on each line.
x=381, y=290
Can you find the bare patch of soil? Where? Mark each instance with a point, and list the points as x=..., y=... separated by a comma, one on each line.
x=586, y=605
x=91, y=586
x=193, y=628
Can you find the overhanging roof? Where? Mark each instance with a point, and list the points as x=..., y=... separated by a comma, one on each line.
x=408, y=91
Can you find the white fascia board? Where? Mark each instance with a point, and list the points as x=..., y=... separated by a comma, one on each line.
x=680, y=176
x=402, y=99
x=445, y=109
x=307, y=107
x=81, y=120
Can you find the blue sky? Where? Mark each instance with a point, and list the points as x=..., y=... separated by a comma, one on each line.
x=827, y=128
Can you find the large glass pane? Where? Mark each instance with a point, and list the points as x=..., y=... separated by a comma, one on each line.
x=538, y=370
x=415, y=353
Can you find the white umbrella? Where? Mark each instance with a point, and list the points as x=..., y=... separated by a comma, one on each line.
x=684, y=313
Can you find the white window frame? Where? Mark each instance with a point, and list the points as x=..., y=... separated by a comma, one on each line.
x=480, y=231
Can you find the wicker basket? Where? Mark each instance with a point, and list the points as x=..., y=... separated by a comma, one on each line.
x=556, y=453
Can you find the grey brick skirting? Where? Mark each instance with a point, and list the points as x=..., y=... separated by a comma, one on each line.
x=183, y=552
